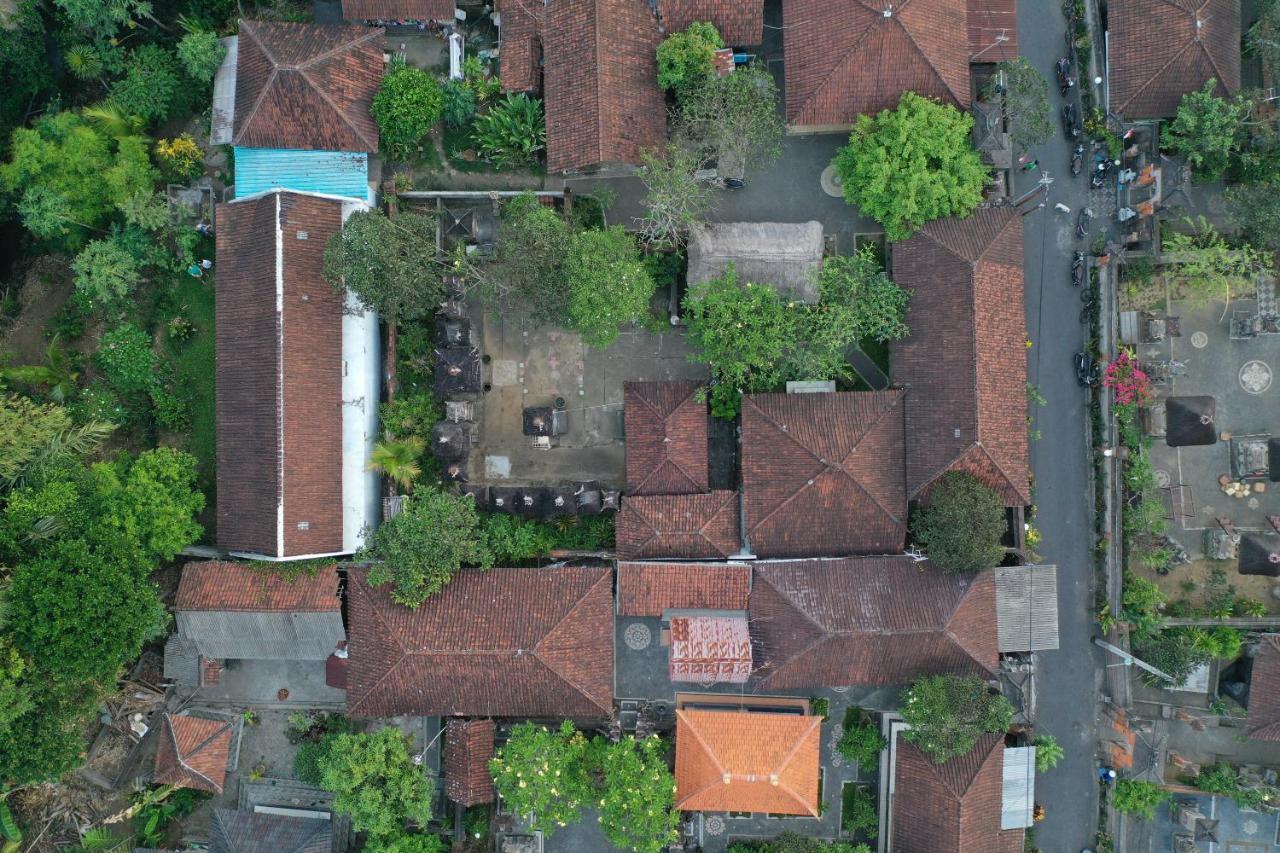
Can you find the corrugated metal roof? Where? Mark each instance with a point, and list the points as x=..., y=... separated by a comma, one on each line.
x=1019, y=789
x=262, y=636
x=341, y=173
x=224, y=94
x=1027, y=608
x=182, y=660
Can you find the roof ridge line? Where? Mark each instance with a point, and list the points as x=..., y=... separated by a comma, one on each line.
x=177, y=751
x=929, y=62
x=404, y=653
x=1154, y=75
x=857, y=43
x=706, y=750
x=332, y=105
x=369, y=35
x=606, y=575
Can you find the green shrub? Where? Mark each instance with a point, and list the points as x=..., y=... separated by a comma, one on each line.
x=861, y=744
x=1134, y=797
x=201, y=53
x=411, y=415
x=306, y=763
x=126, y=358
x=961, y=525
x=405, y=107
x=516, y=540
x=458, y=103
x=511, y=132
x=171, y=408
x=105, y=272
x=858, y=816
x=1048, y=752
x=152, y=85
x=99, y=402
x=687, y=58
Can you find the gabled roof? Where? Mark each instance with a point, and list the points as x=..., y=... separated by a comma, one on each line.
x=964, y=365
x=953, y=806
x=397, y=10
x=279, y=377
x=234, y=831
x=650, y=589
x=848, y=57
x=1264, y=690
x=869, y=621
x=468, y=748
x=740, y=22
x=993, y=30
x=503, y=642
x=216, y=585
x=689, y=527
x=822, y=473
x=731, y=760
x=599, y=77
x=307, y=86
x=193, y=753
x=666, y=446
x=1160, y=50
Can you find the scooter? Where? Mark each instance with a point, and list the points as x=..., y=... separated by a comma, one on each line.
x=1077, y=269
x=1077, y=160
x=1082, y=223
x=1069, y=124
x=1087, y=371
x=1064, y=76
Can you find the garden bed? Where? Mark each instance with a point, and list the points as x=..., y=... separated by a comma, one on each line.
x=859, y=812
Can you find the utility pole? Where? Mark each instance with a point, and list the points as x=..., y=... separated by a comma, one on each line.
x=1130, y=660
x=1041, y=186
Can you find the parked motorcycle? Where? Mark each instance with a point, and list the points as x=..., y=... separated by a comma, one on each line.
x=1082, y=223
x=1078, y=269
x=1077, y=160
x=1065, y=82
x=1070, y=124
x=1088, y=372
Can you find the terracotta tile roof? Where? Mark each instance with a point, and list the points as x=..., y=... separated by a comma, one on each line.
x=993, y=30
x=468, y=748
x=193, y=752
x=709, y=649
x=236, y=586
x=740, y=22
x=397, y=10
x=954, y=806
x=964, y=365
x=278, y=444
x=307, y=86
x=690, y=527
x=1162, y=49
x=846, y=57
x=729, y=761
x=649, y=589
x=869, y=621
x=1264, y=690
x=666, y=446
x=822, y=473
x=506, y=642
x=599, y=76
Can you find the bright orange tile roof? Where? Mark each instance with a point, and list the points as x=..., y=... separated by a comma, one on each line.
x=747, y=762
x=193, y=753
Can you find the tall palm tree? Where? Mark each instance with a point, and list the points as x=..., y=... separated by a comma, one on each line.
x=398, y=460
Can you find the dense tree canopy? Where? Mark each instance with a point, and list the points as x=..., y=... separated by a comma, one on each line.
x=1207, y=129
x=961, y=524
x=687, y=58
x=533, y=243
x=1025, y=95
x=910, y=165
x=422, y=548
x=384, y=263
x=542, y=773
x=405, y=107
x=856, y=301
x=948, y=713
x=733, y=120
x=377, y=784
x=608, y=285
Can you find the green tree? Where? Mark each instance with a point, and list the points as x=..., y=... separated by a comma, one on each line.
x=15, y=676
x=422, y=548
x=27, y=431
x=45, y=741
x=415, y=842
x=949, y=713
x=687, y=58
x=541, y=774
x=200, y=53
x=80, y=614
x=458, y=103
x=1048, y=752
x=858, y=815
x=608, y=284
x=1024, y=93
x=1255, y=207
x=1206, y=266
x=744, y=332
x=1207, y=129
x=910, y=165
x=102, y=19
x=1172, y=651
x=398, y=461
x=105, y=273
x=152, y=85
x=856, y=301
x=1263, y=38
x=28, y=74
x=534, y=241
x=126, y=358
x=961, y=524
x=55, y=170
x=733, y=119
x=382, y=262
x=675, y=200
x=147, y=210
x=376, y=783
x=637, y=800
x=862, y=744
x=1138, y=798
x=406, y=106
x=146, y=505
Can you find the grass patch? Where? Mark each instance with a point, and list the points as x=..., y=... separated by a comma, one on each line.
x=193, y=367
x=456, y=141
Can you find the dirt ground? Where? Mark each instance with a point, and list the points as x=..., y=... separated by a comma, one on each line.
x=44, y=292
x=1247, y=586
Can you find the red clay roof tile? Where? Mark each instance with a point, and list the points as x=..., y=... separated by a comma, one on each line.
x=666, y=445
x=397, y=10
x=468, y=748
x=689, y=527
x=193, y=753
x=740, y=22
x=1264, y=690
x=238, y=587
x=650, y=589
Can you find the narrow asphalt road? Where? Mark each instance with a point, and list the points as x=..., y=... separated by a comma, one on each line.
x=1067, y=678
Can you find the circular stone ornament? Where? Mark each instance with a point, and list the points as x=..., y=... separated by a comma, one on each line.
x=714, y=825
x=1162, y=478
x=1199, y=340
x=1255, y=377
x=637, y=636
x=831, y=183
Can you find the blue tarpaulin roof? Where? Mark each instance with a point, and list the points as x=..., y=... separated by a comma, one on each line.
x=341, y=173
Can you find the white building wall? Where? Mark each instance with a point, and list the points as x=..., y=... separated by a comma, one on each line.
x=361, y=390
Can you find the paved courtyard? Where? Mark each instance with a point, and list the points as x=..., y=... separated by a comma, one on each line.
x=1237, y=830
x=1238, y=375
